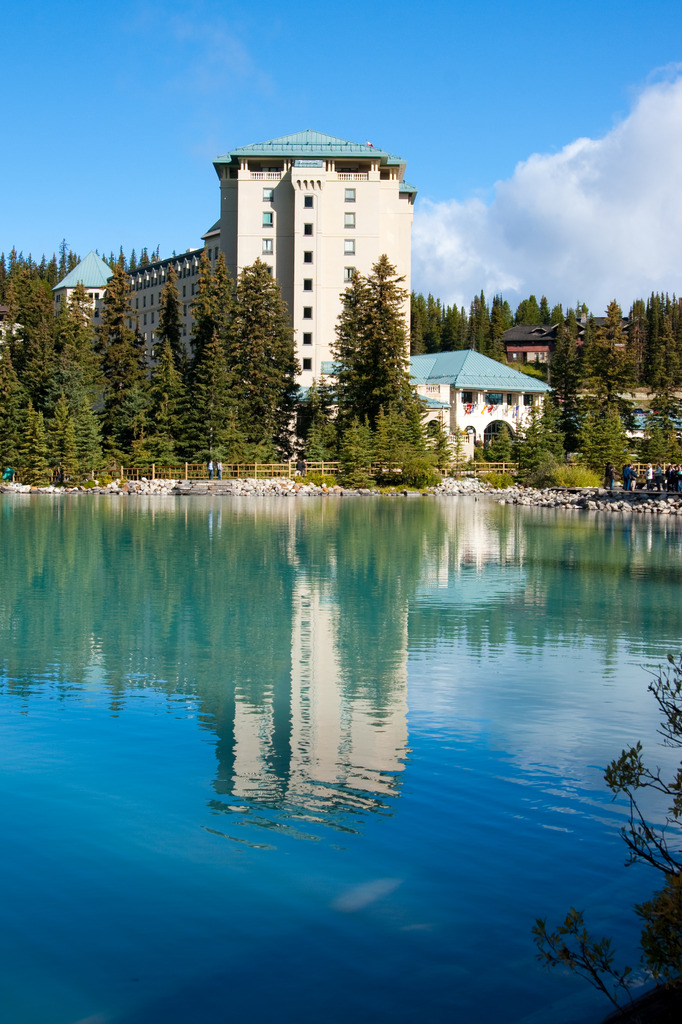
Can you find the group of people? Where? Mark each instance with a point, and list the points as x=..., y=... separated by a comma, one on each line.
x=217, y=468
x=654, y=479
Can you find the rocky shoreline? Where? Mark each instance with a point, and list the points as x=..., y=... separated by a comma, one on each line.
x=588, y=499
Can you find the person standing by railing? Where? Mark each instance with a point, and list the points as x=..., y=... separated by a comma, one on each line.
x=210, y=469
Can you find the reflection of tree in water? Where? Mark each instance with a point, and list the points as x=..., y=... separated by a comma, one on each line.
x=578, y=580
x=198, y=600
x=290, y=621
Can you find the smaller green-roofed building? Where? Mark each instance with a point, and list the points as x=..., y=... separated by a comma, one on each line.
x=94, y=274
x=480, y=393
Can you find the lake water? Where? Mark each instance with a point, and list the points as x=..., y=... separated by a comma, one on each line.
x=317, y=760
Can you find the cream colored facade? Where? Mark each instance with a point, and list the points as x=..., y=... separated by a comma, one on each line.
x=316, y=209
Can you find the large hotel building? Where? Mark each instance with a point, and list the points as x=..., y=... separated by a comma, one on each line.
x=314, y=208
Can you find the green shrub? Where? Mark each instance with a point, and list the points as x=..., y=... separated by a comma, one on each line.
x=89, y=484
x=318, y=479
x=543, y=475
x=499, y=481
x=576, y=476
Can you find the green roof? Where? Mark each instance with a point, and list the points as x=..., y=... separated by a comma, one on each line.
x=311, y=145
x=92, y=272
x=471, y=371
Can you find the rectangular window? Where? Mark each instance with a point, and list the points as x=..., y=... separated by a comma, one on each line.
x=152, y=318
x=307, y=338
x=308, y=202
x=307, y=312
x=144, y=300
x=96, y=296
x=493, y=398
x=268, y=218
x=268, y=246
x=350, y=195
x=307, y=364
x=307, y=257
x=144, y=320
x=307, y=229
x=137, y=303
x=348, y=273
x=151, y=300
x=510, y=399
x=307, y=284
x=467, y=398
x=527, y=399
x=349, y=247
x=268, y=195
x=349, y=220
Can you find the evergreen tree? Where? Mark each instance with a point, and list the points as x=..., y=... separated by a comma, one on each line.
x=528, y=312
x=170, y=318
x=62, y=453
x=211, y=421
x=441, y=449
x=314, y=424
x=167, y=410
x=545, y=315
x=33, y=463
x=565, y=379
x=357, y=452
x=602, y=439
x=608, y=368
x=213, y=307
x=262, y=361
x=12, y=408
x=122, y=355
x=500, y=448
x=371, y=347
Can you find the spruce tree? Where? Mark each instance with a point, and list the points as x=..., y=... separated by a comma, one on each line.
x=170, y=318
x=211, y=420
x=609, y=372
x=166, y=418
x=62, y=451
x=371, y=347
x=262, y=361
x=213, y=307
x=602, y=439
x=122, y=356
x=33, y=462
x=357, y=452
x=12, y=408
x=565, y=380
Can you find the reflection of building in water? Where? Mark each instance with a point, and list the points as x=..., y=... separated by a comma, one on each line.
x=474, y=538
x=343, y=749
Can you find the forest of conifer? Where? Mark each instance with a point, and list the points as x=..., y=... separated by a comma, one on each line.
x=75, y=399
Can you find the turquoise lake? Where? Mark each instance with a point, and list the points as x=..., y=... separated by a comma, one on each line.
x=317, y=760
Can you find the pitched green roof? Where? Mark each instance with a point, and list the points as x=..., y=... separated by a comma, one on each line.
x=471, y=370
x=311, y=145
x=92, y=272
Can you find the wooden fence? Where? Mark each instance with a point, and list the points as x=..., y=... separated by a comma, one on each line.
x=269, y=470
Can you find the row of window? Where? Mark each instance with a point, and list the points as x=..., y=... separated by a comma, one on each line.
x=182, y=270
x=494, y=398
x=268, y=248
x=308, y=201
x=269, y=221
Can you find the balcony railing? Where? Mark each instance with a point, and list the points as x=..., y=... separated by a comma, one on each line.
x=355, y=176
x=266, y=175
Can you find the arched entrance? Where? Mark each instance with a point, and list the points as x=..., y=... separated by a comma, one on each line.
x=493, y=429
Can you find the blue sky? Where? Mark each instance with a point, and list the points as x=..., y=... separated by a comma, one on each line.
x=114, y=113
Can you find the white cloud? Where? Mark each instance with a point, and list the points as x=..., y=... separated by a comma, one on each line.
x=602, y=219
